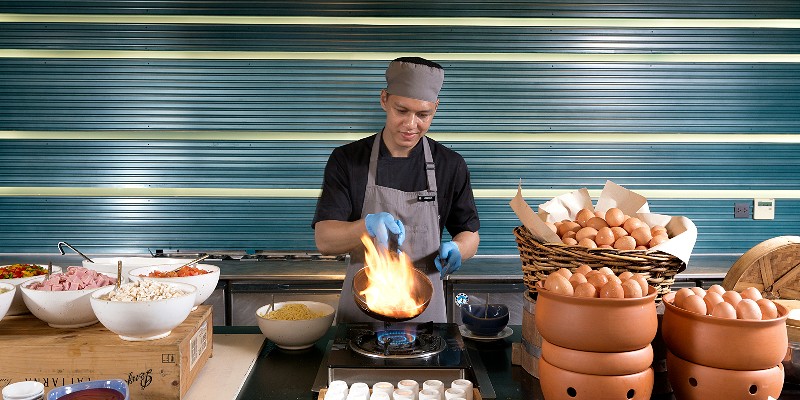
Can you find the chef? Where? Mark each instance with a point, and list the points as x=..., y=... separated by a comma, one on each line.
x=398, y=181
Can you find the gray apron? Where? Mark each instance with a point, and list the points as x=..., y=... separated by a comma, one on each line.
x=421, y=221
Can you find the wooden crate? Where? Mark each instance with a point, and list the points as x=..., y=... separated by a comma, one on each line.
x=160, y=369
x=526, y=354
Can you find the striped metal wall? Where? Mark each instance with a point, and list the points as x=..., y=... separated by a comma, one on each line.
x=135, y=125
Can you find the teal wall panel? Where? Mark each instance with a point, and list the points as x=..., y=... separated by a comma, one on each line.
x=707, y=95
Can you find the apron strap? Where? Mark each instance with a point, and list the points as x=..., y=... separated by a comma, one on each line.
x=430, y=167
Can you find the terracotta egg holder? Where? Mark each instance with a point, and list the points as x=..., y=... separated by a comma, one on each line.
x=560, y=384
x=712, y=357
x=595, y=348
x=598, y=325
x=692, y=381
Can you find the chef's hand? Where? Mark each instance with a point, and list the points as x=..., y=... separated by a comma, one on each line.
x=379, y=225
x=449, y=259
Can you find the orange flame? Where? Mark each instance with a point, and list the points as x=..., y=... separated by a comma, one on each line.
x=390, y=282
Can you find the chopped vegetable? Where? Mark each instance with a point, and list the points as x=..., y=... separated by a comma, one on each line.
x=21, y=271
x=183, y=271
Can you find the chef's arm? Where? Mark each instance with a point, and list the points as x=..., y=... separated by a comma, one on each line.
x=338, y=237
x=467, y=243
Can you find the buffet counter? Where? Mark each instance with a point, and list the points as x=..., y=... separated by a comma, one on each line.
x=283, y=374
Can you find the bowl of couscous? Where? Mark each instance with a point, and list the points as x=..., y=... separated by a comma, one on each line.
x=295, y=325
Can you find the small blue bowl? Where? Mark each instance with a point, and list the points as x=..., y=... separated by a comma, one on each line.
x=482, y=321
x=116, y=384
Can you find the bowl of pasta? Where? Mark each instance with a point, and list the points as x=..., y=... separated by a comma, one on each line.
x=295, y=325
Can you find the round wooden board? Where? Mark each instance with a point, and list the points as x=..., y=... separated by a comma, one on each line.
x=772, y=266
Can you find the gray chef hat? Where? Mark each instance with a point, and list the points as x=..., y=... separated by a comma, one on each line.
x=414, y=77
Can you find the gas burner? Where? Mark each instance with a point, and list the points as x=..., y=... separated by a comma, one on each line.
x=395, y=343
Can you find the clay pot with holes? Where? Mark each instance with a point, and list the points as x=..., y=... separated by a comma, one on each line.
x=561, y=384
x=594, y=363
x=735, y=344
x=690, y=381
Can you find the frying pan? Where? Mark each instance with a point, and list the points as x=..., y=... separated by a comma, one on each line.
x=423, y=289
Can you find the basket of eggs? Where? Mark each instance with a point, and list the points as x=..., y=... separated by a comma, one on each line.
x=618, y=232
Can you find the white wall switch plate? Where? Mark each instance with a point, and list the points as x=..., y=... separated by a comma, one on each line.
x=763, y=208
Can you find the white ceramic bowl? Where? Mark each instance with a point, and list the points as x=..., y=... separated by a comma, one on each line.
x=61, y=309
x=18, y=305
x=143, y=320
x=205, y=283
x=300, y=334
x=6, y=297
x=109, y=264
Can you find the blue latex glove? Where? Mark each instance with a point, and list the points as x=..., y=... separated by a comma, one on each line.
x=379, y=225
x=449, y=259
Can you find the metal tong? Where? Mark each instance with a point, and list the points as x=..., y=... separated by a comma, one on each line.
x=73, y=249
x=195, y=261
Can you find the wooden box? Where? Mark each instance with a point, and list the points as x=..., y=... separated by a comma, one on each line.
x=528, y=352
x=160, y=369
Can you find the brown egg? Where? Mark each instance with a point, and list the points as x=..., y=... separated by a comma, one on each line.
x=588, y=243
x=751, y=293
x=642, y=247
x=642, y=235
x=570, y=241
x=564, y=272
x=615, y=217
x=748, y=309
x=768, y=309
x=576, y=279
x=631, y=289
x=583, y=216
x=657, y=240
x=569, y=234
x=698, y=291
x=657, y=230
x=600, y=214
x=625, y=275
x=552, y=226
x=681, y=295
x=631, y=224
x=567, y=226
x=619, y=232
x=606, y=271
x=596, y=223
x=717, y=289
x=585, y=289
x=584, y=269
x=732, y=297
x=625, y=243
x=557, y=283
x=642, y=282
x=605, y=236
x=724, y=310
x=597, y=279
x=605, y=246
x=614, y=278
x=712, y=299
x=585, y=233
x=612, y=290
x=695, y=304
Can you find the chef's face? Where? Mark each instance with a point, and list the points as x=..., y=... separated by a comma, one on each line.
x=407, y=121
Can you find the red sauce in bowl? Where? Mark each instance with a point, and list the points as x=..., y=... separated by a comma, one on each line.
x=94, y=394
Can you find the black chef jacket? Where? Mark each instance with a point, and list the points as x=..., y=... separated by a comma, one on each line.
x=346, y=179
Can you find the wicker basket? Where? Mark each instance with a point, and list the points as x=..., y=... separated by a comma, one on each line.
x=540, y=259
